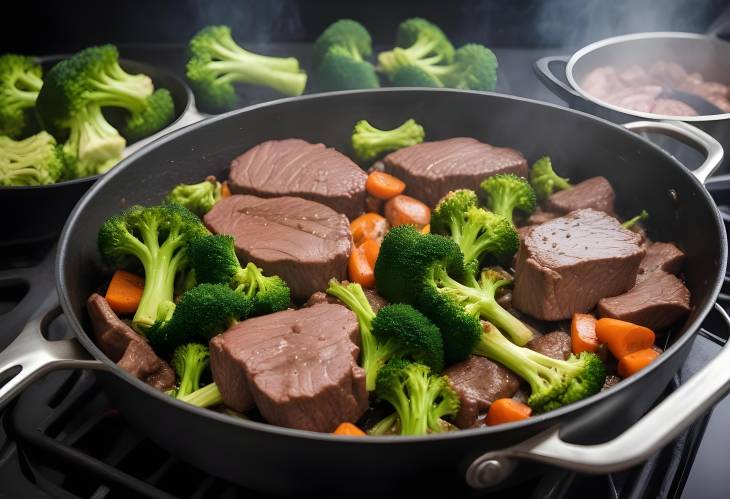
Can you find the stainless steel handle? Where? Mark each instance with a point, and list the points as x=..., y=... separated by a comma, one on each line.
x=34, y=356
x=652, y=432
x=690, y=135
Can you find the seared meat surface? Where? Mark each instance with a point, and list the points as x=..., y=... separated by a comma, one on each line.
x=556, y=345
x=595, y=193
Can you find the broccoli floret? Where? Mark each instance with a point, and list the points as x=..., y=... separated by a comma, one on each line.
x=189, y=361
x=155, y=237
x=345, y=33
x=36, y=160
x=418, y=41
x=217, y=61
x=477, y=232
x=339, y=70
x=20, y=82
x=94, y=145
x=397, y=331
x=507, y=192
x=214, y=259
x=369, y=142
x=554, y=383
x=420, y=398
x=413, y=76
x=641, y=217
x=544, y=180
x=203, y=312
x=158, y=113
x=198, y=198
x=208, y=396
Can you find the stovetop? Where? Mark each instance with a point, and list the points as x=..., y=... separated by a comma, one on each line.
x=62, y=438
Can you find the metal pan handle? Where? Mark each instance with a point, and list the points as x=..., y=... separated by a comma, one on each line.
x=689, y=135
x=553, y=81
x=657, y=428
x=31, y=355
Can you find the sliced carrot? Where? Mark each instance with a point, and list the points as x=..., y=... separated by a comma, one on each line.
x=426, y=229
x=623, y=338
x=349, y=429
x=383, y=185
x=405, y=210
x=636, y=361
x=371, y=248
x=368, y=226
x=506, y=411
x=225, y=190
x=125, y=292
x=359, y=268
x=583, y=333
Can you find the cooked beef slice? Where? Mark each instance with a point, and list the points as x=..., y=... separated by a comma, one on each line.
x=299, y=367
x=656, y=302
x=432, y=169
x=595, y=193
x=566, y=265
x=540, y=216
x=556, y=345
x=294, y=167
x=128, y=349
x=660, y=256
x=376, y=301
x=672, y=107
x=479, y=382
x=304, y=242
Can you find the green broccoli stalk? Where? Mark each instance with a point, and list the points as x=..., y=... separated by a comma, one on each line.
x=421, y=399
x=418, y=41
x=347, y=34
x=477, y=232
x=397, y=331
x=155, y=237
x=507, y=192
x=369, y=142
x=214, y=259
x=554, y=383
x=544, y=180
x=208, y=396
x=198, y=198
x=20, y=82
x=189, y=361
x=389, y=425
x=93, y=146
x=36, y=160
x=202, y=312
x=217, y=61
x=641, y=217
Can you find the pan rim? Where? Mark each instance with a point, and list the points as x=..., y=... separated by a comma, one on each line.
x=689, y=330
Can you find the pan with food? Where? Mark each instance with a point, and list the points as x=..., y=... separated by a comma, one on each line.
x=379, y=322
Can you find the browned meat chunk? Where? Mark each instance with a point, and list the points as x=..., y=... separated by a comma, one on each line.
x=655, y=303
x=595, y=193
x=299, y=367
x=556, y=345
x=635, y=75
x=540, y=216
x=566, y=265
x=660, y=256
x=479, y=382
x=669, y=74
x=602, y=82
x=432, y=169
x=294, y=167
x=129, y=350
x=641, y=98
x=303, y=242
x=376, y=301
x=672, y=107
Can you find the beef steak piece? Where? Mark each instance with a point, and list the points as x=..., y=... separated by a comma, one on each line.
x=556, y=345
x=298, y=366
x=479, y=382
x=432, y=169
x=294, y=167
x=374, y=299
x=656, y=302
x=595, y=193
x=303, y=242
x=660, y=256
x=128, y=349
x=566, y=265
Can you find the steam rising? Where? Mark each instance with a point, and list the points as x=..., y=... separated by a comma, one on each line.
x=253, y=21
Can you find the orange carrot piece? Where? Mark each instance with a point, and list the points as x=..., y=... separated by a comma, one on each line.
x=371, y=248
x=368, y=226
x=636, y=361
x=507, y=411
x=125, y=292
x=359, y=269
x=383, y=185
x=623, y=338
x=426, y=229
x=349, y=429
x=225, y=190
x=583, y=333
x=405, y=210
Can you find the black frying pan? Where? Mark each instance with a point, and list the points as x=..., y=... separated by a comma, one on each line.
x=267, y=457
x=36, y=213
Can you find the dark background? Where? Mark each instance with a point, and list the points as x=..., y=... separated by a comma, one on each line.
x=62, y=26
